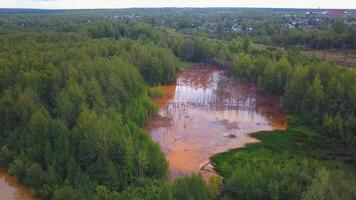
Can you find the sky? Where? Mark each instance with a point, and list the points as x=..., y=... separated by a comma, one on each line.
x=76, y=4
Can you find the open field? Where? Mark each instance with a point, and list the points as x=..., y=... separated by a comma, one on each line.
x=344, y=58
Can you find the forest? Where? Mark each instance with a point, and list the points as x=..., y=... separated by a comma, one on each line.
x=74, y=97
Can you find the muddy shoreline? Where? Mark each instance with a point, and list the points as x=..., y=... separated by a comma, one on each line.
x=11, y=189
x=205, y=113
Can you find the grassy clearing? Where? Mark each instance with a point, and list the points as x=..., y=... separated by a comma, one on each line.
x=296, y=142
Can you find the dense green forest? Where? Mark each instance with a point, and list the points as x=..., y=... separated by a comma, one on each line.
x=314, y=158
x=74, y=96
x=305, y=28
x=72, y=104
x=71, y=108
x=288, y=164
x=323, y=94
x=338, y=35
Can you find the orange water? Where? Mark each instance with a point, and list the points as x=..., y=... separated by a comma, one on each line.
x=10, y=189
x=205, y=113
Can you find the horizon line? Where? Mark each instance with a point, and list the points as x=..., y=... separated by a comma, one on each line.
x=178, y=7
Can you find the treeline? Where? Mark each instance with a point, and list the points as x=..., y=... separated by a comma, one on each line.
x=322, y=93
x=71, y=110
x=338, y=36
x=298, y=163
x=188, y=49
x=287, y=164
x=282, y=177
x=72, y=104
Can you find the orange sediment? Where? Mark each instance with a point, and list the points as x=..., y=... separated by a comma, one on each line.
x=11, y=189
x=205, y=113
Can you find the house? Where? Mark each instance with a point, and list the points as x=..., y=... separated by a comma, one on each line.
x=337, y=13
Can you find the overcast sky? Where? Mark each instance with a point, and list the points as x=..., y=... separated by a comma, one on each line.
x=59, y=4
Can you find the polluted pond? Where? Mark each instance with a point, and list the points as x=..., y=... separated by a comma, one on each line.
x=205, y=113
x=11, y=189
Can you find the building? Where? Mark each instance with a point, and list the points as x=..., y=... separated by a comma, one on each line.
x=337, y=13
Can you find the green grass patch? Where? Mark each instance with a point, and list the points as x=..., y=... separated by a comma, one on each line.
x=298, y=141
x=285, y=165
x=184, y=65
x=155, y=92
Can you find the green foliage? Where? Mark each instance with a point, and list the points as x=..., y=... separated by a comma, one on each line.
x=140, y=110
x=246, y=45
x=338, y=35
x=286, y=165
x=72, y=107
x=330, y=185
x=6, y=154
x=192, y=187
x=148, y=189
x=155, y=92
x=322, y=93
x=215, y=186
x=276, y=76
x=314, y=98
x=73, y=99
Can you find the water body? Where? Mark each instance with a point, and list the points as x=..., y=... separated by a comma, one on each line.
x=205, y=113
x=202, y=114
x=11, y=189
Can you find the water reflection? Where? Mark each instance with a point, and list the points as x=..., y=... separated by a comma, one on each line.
x=206, y=113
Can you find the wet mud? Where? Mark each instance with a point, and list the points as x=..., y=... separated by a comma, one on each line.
x=205, y=113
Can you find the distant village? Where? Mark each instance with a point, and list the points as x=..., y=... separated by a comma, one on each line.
x=311, y=19
x=233, y=22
